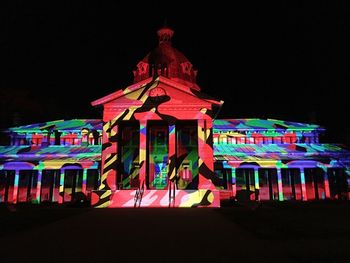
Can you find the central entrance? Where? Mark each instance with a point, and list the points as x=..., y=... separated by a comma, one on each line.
x=186, y=155
x=158, y=138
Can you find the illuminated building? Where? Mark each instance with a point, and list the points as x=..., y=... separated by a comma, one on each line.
x=160, y=144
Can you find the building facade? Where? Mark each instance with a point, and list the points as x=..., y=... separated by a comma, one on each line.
x=160, y=144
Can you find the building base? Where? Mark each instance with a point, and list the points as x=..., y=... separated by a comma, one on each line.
x=155, y=198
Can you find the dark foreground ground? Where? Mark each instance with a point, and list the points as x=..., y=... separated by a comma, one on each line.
x=271, y=232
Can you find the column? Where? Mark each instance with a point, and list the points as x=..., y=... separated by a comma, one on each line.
x=172, y=153
x=347, y=178
x=55, y=174
x=38, y=187
x=205, y=154
x=15, y=187
x=28, y=138
x=109, y=155
x=280, y=187
x=142, y=150
x=83, y=187
x=172, y=163
x=228, y=181
x=326, y=183
x=61, y=191
x=46, y=139
x=303, y=186
x=233, y=182
x=257, y=187
x=2, y=187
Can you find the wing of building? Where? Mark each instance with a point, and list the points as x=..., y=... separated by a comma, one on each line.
x=159, y=144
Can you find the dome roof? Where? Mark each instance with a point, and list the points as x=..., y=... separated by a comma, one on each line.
x=166, y=61
x=165, y=54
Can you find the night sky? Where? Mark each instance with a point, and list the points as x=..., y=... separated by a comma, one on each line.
x=282, y=61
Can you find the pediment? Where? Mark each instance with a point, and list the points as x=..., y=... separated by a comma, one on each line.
x=161, y=92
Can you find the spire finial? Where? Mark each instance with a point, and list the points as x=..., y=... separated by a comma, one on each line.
x=165, y=34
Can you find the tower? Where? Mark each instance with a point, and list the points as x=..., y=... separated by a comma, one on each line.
x=157, y=136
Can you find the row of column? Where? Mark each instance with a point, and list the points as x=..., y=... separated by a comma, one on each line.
x=110, y=154
x=39, y=185
x=89, y=138
x=279, y=183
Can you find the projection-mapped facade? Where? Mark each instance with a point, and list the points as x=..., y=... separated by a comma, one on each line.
x=160, y=144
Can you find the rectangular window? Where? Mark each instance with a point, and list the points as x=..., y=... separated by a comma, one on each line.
x=277, y=140
x=222, y=179
x=187, y=154
x=2, y=185
x=50, y=181
x=264, y=191
x=259, y=140
x=291, y=184
x=338, y=185
x=27, y=185
x=157, y=154
x=185, y=136
x=72, y=185
x=128, y=176
x=160, y=139
x=240, y=140
x=92, y=181
x=314, y=183
x=245, y=184
x=268, y=186
x=7, y=180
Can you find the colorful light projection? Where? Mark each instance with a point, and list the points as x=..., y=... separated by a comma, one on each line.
x=52, y=173
x=277, y=171
x=161, y=147
x=302, y=172
x=258, y=131
x=164, y=160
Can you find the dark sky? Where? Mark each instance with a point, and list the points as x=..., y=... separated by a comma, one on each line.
x=284, y=61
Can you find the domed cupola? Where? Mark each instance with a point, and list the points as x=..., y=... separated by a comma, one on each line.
x=166, y=61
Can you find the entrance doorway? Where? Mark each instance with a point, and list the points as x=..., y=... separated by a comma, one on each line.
x=158, y=137
x=128, y=174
